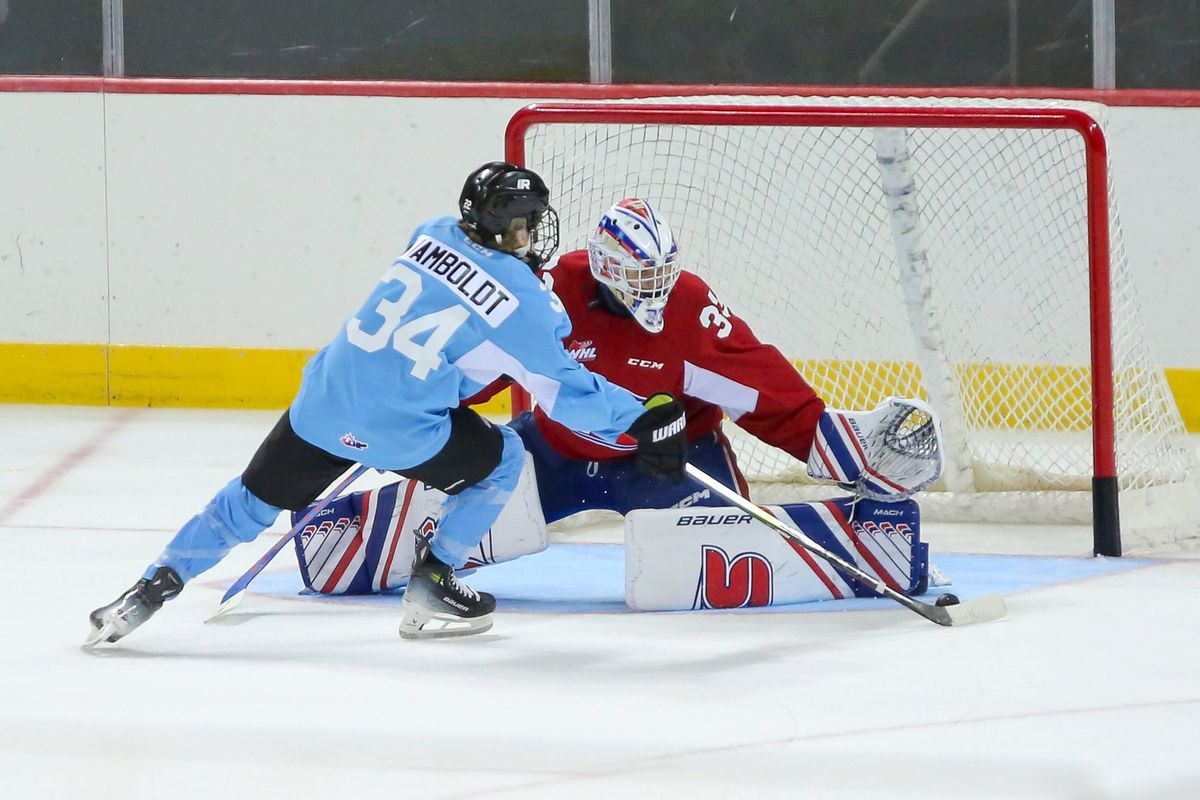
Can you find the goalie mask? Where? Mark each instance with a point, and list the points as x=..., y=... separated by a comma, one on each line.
x=508, y=207
x=633, y=253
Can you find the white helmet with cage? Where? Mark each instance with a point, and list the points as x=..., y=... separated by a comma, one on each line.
x=634, y=254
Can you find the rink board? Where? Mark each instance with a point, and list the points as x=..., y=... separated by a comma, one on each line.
x=576, y=578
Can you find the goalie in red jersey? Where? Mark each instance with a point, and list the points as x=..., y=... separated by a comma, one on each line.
x=646, y=324
x=649, y=326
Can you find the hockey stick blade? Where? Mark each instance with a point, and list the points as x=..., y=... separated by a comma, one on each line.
x=984, y=608
x=228, y=603
x=98, y=635
x=980, y=609
x=237, y=590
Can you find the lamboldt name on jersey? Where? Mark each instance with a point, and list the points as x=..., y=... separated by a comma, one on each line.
x=485, y=295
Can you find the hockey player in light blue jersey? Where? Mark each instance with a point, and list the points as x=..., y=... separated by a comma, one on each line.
x=460, y=307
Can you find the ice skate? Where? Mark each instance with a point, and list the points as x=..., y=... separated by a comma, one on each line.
x=120, y=617
x=437, y=605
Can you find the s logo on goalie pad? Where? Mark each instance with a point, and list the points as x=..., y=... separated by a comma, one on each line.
x=678, y=560
x=745, y=580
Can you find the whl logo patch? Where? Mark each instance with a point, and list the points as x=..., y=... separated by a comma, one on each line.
x=744, y=581
x=582, y=351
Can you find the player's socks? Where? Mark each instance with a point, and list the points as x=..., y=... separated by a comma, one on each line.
x=138, y=603
x=436, y=604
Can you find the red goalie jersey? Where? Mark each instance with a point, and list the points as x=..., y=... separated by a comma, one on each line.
x=704, y=355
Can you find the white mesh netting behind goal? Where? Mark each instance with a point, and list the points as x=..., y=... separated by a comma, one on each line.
x=944, y=263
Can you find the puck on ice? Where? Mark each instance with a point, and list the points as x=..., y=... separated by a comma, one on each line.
x=947, y=599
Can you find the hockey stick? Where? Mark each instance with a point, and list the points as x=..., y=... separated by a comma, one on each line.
x=981, y=609
x=237, y=590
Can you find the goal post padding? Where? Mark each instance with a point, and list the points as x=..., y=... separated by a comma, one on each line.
x=964, y=251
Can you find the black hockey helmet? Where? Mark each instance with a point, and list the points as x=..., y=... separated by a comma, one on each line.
x=499, y=192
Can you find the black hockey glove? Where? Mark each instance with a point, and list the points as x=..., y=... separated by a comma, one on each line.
x=661, y=441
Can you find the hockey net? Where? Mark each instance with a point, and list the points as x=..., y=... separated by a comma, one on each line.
x=925, y=247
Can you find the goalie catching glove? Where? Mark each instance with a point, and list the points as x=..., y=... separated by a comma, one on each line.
x=660, y=436
x=885, y=454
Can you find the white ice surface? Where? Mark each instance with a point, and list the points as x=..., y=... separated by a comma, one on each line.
x=1087, y=690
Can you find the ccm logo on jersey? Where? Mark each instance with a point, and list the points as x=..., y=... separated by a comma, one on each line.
x=693, y=498
x=640, y=362
x=483, y=294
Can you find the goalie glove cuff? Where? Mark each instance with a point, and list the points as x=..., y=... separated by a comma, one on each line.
x=885, y=454
x=660, y=433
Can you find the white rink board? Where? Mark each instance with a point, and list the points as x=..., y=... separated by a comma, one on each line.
x=268, y=219
x=261, y=221
x=53, y=241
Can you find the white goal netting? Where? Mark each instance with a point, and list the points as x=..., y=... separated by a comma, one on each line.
x=944, y=263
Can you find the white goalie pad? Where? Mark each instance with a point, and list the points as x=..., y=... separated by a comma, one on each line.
x=365, y=542
x=685, y=559
x=888, y=453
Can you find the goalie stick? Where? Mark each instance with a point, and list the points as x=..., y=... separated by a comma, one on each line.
x=981, y=609
x=237, y=590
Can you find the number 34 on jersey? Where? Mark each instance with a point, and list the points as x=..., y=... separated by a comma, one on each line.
x=481, y=293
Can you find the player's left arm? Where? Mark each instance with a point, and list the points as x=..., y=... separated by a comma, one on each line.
x=758, y=388
x=887, y=454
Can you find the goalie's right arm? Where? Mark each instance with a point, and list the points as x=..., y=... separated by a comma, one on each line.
x=885, y=454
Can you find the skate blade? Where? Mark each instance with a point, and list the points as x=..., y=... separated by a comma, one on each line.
x=442, y=626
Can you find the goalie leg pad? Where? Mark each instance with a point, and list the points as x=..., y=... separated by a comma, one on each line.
x=364, y=543
x=682, y=559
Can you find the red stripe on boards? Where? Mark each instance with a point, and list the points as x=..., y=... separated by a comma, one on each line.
x=1178, y=98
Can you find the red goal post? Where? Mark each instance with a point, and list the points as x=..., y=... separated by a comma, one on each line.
x=675, y=133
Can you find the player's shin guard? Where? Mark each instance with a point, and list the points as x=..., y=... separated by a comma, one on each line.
x=437, y=605
x=233, y=516
x=136, y=605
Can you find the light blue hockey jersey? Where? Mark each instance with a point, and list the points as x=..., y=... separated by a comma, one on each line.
x=449, y=317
